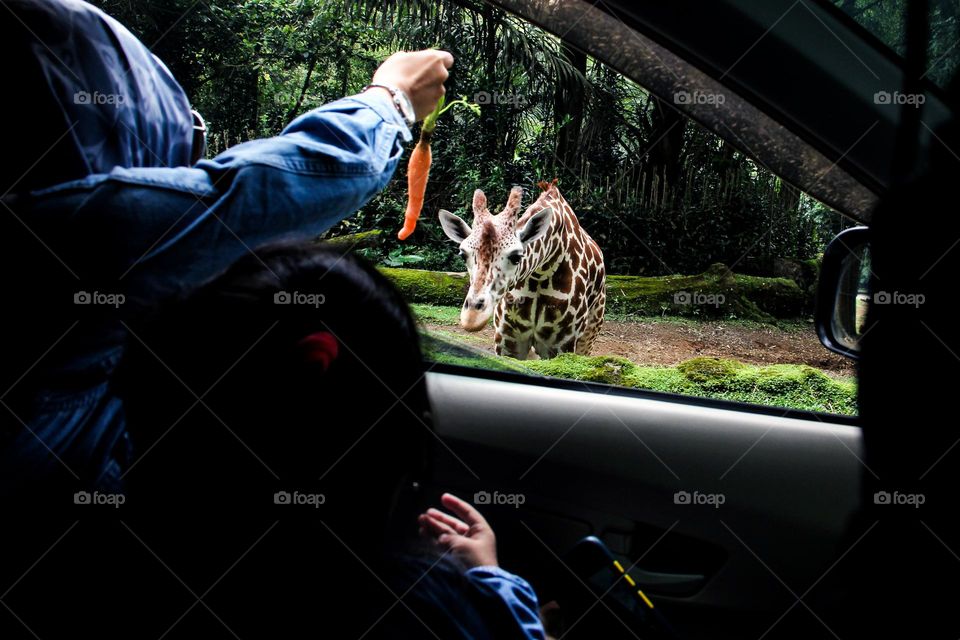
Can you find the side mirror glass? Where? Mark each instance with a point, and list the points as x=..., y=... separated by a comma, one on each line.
x=843, y=292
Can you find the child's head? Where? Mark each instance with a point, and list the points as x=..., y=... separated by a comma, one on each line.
x=298, y=370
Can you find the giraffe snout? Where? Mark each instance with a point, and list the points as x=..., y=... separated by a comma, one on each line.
x=476, y=311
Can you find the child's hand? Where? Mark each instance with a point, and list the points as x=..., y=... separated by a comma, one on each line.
x=468, y=536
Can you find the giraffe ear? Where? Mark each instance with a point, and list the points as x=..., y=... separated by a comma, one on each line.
x=513, y=201
x=479, y=203
x=536, y=226
x=454, y=226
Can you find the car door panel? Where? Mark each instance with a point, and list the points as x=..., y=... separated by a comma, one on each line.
x=597, y=461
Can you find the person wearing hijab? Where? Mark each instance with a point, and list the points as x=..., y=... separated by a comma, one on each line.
x=106, y=211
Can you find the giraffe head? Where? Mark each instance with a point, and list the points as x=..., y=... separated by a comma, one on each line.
x=493, y=249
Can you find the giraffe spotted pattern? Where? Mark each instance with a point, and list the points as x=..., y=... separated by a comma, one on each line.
x=540, y=275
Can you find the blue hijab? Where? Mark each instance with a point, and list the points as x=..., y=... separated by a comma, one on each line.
x=84, y=96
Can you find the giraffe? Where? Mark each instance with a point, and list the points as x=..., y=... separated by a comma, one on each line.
x=540, y=276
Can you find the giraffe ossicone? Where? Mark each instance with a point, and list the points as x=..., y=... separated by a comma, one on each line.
x=539, y=275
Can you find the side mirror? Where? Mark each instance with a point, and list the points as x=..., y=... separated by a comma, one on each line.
x=843, y=292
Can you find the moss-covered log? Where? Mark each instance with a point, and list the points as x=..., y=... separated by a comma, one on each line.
x=715, y=293
x=355, y=240
x=429, y=287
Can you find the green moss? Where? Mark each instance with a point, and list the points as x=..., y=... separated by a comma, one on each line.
x=429, y=287
x=355, y=240
x=716, y=293
x=812, y=267
x=721, y=272
x=606, y=369
x=705, y=295
x=709, y=371
x=790, y=386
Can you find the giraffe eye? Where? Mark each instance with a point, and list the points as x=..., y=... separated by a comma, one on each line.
x=515, y=258
x=463, y=254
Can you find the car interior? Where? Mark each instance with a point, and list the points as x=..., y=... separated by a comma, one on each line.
x=726, y=519
x=597, y=460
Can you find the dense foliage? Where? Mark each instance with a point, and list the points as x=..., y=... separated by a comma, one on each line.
x=659, y=193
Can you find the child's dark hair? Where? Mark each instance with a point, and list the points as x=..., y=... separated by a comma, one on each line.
x=297, y=369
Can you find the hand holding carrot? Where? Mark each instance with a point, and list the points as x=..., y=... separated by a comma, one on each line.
x=419, y=74
x=418, y=167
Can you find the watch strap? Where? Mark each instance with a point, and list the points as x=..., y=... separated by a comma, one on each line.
x=398, y=96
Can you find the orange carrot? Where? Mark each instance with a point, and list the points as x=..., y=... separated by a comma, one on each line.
x=418, y=167
x=418, y=170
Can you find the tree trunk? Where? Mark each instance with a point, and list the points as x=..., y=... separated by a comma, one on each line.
x=488, y=111
x=569, y=102
x=666, y=144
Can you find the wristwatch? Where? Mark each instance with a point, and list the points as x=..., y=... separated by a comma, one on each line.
x=400, y=101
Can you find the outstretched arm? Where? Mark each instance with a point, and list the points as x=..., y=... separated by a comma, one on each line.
x=148, y=231
x=468, y=536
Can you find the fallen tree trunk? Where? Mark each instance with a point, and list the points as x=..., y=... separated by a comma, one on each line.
x=715, y=293
x=352, y=241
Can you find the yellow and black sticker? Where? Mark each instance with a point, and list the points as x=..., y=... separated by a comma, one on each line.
x=632, y=583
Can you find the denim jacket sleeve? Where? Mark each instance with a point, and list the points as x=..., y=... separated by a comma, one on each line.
x=516, y=594
x=151, y=231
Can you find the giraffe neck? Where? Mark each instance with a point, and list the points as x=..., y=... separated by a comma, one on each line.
x=544, y=254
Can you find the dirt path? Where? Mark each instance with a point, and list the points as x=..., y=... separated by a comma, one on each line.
x=669, y=343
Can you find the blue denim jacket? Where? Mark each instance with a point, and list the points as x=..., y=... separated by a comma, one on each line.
x=144, y=234
x=106, y=221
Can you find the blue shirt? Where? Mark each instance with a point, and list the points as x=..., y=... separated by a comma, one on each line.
x=516, y=594
x=482, y=603
x=142, y=234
